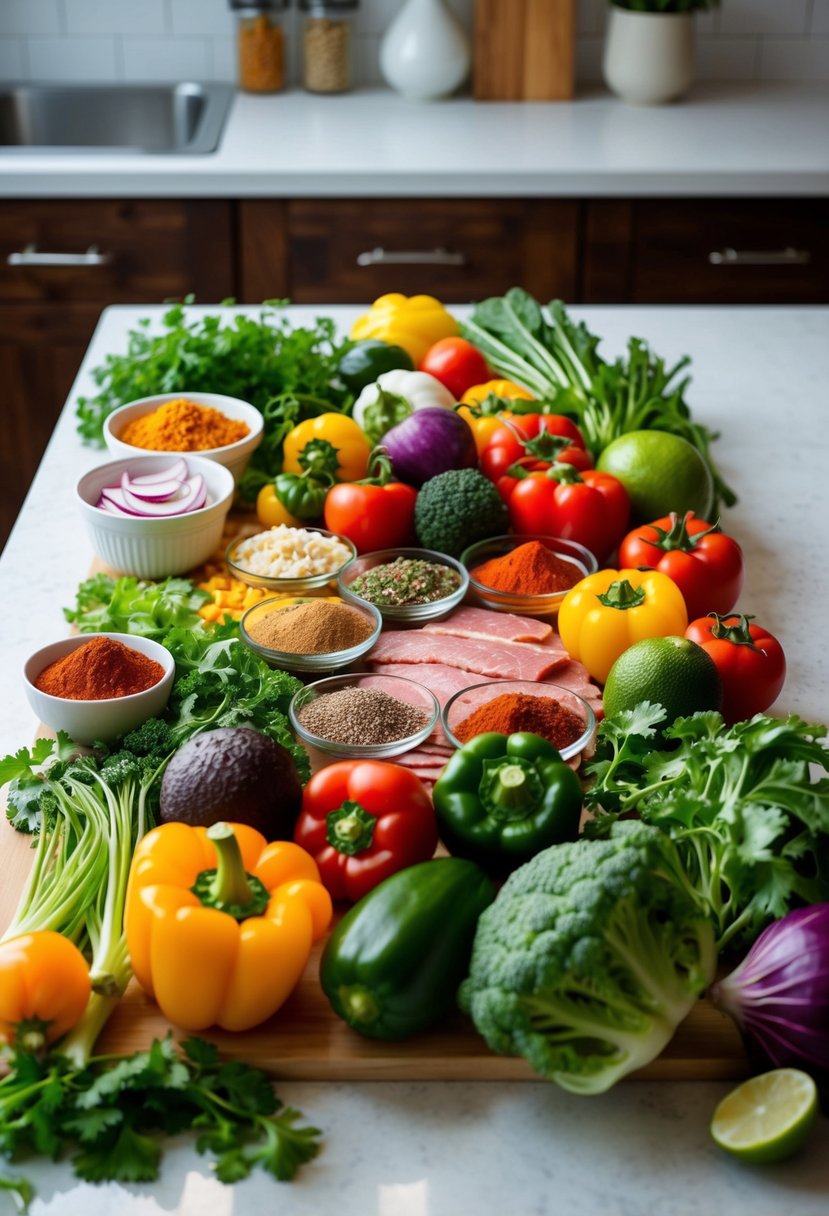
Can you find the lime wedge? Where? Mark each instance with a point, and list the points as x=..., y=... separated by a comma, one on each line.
x=767, y=1118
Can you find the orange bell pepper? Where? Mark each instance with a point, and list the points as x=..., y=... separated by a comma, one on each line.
x=44, y=988
x=220, y=924
x=485, y=406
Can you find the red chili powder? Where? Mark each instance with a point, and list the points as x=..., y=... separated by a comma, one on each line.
x=517, y=711
x=100, y=669
x=530, y=569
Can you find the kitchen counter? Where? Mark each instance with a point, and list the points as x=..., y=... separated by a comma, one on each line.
x=769, y=139
x=429, y=1149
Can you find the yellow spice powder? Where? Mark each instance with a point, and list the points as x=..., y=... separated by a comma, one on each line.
x=183, y=426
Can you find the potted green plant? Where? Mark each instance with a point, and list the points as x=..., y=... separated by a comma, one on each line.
x=649, y=48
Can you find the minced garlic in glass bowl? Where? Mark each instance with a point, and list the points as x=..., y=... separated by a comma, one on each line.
x=283, y=558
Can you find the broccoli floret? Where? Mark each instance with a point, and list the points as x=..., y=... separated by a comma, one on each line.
x=457, y=508
x=589, y=958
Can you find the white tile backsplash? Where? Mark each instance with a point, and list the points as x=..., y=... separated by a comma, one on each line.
x=168, y=39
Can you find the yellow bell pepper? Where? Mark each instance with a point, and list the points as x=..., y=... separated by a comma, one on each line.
x=414, y=322
x=44, y=988
x=220, y=924
x=332, y=445
x=270, y=511
x=484, y=423
x=608, y=611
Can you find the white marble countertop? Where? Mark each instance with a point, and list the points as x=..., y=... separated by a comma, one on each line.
x=766, y=139
x=404, y=1149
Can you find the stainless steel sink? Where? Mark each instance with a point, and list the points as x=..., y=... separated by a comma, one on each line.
x=157, y=118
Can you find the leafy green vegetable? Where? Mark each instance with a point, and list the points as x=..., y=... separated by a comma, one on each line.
x=111, y=1112
x=590, y=957
x=105, y=604
x=750, y=823
x=288, y=372
x=558, y=360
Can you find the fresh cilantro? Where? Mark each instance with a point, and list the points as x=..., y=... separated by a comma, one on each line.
x=112, y=1114
x=750, y=820
x=105, y=604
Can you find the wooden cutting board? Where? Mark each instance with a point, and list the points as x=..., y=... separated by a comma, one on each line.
x=305, y=1041
x=523, y=50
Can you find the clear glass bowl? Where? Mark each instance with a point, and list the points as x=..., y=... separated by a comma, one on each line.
x=405, y=613
x=286, y=586
x=458, y=708
x=395, y=686
x=510, y=601
x=288, y=661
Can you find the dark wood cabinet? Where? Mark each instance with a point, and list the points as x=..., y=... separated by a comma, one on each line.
x=61, y=263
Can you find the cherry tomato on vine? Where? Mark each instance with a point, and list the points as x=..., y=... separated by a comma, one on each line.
x=532, y=442
x=750, y=661
x=705, y=564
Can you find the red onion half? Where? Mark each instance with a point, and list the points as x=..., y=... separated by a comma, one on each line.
x=779, y=994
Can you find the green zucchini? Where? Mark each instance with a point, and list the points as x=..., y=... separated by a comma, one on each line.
x=363, y=363
x=393, y=964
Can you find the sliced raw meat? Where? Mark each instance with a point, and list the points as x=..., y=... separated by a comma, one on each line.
x=496, y=660
x=574, y=675
x=500, y=626
x=443, y=681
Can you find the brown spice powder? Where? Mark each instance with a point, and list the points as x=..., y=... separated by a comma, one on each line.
x=313, y=627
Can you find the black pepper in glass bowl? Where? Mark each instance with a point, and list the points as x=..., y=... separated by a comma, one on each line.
x=407, y=586
x=364, y=716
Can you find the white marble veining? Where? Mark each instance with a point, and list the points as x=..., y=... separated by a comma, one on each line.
x=527, y=1149
x=769, y=139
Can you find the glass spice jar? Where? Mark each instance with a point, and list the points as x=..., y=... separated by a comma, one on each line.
x=326, y=44
x=260, y=39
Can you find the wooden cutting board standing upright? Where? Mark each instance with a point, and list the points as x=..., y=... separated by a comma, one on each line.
x=523, y=50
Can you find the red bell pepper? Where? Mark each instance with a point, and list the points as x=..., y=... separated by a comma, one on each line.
x=363, y=820
x=705, y=564
x=749, y=659
x=374, y=513
x=590, y=507
x=530, y=443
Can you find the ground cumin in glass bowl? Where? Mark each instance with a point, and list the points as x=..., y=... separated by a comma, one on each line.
x=415, y=696
x=583, y=562
x=405, y=613
x=287, y=660
x=575, y=719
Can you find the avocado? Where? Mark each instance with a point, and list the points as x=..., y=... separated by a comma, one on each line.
x=233, y=774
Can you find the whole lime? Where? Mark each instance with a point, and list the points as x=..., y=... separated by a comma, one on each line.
x=674, y=672
x=661, y=473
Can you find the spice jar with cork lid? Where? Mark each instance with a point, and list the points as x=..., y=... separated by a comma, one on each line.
x=326, y=44
x=260, y=40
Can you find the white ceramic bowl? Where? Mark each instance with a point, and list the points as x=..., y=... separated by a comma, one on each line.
x=233, y=456
x=154, y=548
x=88, y=721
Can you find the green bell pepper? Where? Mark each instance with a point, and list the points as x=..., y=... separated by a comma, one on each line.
x=301, y=494
x=502, y=799
x=365, y=361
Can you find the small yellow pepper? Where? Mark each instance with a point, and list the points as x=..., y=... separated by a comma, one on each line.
x=220, y=924
x=270, y=511
x=484, y=416
x=608, y=611
x=331, y=445
x=44, y=988
x=414, y=322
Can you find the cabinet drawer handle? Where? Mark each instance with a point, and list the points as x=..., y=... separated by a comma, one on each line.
x=30, y=256
x=413, y=257
x=760, y=257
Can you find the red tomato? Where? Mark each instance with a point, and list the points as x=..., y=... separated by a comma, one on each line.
x=534, y=441
x=750, y=661
x=591, y=508
x=705, y=564
x=363, y=820
x=371, y=516
x=456, y=363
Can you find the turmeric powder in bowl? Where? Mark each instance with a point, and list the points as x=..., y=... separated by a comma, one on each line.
x=180, y=425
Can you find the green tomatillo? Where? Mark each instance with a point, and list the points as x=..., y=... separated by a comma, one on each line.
x=503, y=798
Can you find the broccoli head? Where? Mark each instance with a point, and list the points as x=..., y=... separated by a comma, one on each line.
x=589, y=958
x=457, y=508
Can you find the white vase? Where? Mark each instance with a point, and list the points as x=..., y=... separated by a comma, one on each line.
x=425, y=53
x=648, y=57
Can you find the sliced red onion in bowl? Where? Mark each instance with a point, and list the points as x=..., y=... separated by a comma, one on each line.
x=159, y=491
x=176, y=472
x=162, y=497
